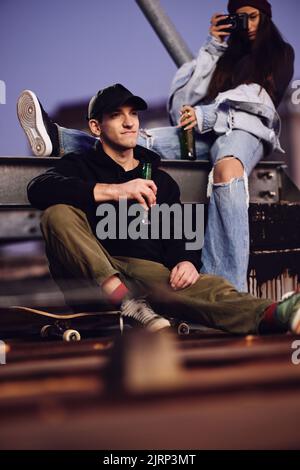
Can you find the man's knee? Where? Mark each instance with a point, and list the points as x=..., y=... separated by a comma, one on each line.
x=59, y=216
x=227, y=169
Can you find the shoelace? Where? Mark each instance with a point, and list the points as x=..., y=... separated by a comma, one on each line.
x=143, y=312
x=146, y=311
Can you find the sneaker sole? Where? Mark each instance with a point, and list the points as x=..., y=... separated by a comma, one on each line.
x=158, y=324
x=153, y=326
x=31, y=120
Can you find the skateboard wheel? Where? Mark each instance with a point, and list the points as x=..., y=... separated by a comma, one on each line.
x=45, y=331
x=71, y=335
x=183, y=329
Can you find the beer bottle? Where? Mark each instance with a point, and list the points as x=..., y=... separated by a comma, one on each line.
x=147, y=171
x=146, y=175
x=187, y=144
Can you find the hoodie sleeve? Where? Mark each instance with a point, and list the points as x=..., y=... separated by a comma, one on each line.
x=175, y=250
x=62, y=184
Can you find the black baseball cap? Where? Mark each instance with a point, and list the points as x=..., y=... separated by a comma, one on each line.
x=111, y=98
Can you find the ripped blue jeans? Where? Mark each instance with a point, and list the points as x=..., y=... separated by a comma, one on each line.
x=226, y=244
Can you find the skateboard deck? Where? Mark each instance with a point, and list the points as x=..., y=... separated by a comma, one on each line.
x=20, y=320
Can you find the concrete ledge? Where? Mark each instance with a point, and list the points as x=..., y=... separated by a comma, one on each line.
x=268, y=182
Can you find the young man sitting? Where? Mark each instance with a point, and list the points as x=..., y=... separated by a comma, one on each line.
x=128, y=271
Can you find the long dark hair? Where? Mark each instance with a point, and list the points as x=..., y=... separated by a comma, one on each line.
x=259, y=61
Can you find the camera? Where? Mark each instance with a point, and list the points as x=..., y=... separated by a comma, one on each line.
x=237, y=22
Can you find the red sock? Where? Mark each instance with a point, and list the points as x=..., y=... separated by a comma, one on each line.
x=118, y=294
x=269, y=324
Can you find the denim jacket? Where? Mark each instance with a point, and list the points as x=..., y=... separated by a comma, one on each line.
x=247, y=107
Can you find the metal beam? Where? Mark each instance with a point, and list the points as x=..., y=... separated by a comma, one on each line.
x=166, y=31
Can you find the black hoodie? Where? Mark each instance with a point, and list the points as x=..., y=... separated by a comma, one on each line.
x=72, y=182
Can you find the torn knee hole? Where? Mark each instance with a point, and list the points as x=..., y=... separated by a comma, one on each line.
x=227, y=169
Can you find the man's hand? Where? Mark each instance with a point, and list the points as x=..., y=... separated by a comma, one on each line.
x=141, y=190
x=183, y=275
x=218, y=31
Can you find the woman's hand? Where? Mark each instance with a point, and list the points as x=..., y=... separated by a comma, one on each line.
x=188, y=118
x=217, y=31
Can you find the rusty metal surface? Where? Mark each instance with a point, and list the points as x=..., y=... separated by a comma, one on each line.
x=227, y=393
x=207, y=390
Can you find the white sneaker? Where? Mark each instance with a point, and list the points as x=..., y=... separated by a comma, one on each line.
x=139, y=312
x=33, y=120
x=288, y=311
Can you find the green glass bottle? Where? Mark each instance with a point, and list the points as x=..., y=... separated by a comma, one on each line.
x=146, y=175
x=147, y=171
x=187, y=144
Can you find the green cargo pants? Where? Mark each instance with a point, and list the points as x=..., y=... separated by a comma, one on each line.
x=75, y=254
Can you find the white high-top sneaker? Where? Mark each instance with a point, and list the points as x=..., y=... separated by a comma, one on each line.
x=139, y=312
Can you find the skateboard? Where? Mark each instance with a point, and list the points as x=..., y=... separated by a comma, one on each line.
x=19, y=321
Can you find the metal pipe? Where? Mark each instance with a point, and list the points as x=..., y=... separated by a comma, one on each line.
x=166, y=31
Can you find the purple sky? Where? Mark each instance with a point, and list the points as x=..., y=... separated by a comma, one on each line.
x=65, y=50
